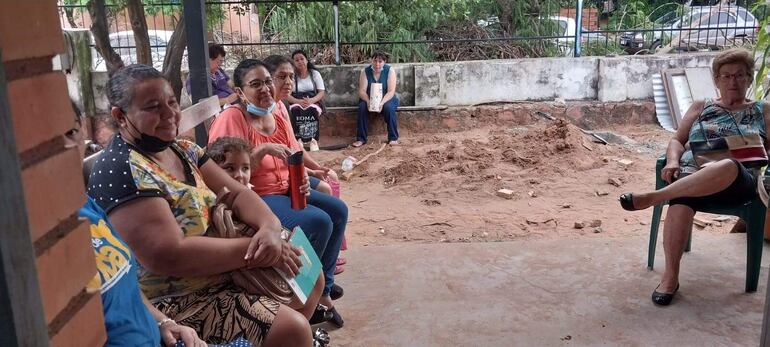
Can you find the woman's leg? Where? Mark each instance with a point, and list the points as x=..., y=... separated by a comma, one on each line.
x=315, y=223
x=337, y=211
x=362, y=121
x=309, y=306
x=675, y=232
x=290, y=328
x=389, y=113
x=711, y=179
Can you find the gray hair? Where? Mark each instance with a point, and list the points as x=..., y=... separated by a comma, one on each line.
x=120, y=87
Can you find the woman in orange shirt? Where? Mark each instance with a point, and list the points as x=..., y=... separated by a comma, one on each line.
x=258, y=119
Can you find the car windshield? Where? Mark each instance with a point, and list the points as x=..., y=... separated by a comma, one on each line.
x=668, y=18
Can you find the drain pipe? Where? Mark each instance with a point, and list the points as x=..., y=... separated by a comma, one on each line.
x=578, y=28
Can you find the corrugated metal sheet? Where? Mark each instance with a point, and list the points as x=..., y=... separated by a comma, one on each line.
x=662, y=110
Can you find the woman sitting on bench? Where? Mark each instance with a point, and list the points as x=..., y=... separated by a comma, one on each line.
x=380, y=73
x=260, y=120
x=156, y=192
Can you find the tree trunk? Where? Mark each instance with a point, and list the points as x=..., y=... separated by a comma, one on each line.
x=97, y=11
x=172, y=63
x=70, y=17
x=139, y=26
x=506, y=16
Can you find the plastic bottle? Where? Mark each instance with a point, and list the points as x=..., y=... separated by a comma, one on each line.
x=347, y=164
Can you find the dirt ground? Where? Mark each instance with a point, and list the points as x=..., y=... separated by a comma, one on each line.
x=442, y=188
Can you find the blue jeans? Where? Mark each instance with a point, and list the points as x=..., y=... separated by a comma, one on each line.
x=388, y=112
x=323, y=221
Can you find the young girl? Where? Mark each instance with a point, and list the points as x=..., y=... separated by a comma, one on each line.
x=232, y=155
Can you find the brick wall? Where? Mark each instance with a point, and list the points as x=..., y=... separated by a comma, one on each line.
x=51, y=173
x=590, y=17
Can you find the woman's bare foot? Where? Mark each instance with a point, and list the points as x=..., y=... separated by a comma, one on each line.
x=358, y=143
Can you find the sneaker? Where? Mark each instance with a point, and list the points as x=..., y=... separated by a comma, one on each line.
x=336, y=292
x=313, y=145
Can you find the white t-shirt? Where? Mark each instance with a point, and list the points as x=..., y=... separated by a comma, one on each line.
x=306, y=84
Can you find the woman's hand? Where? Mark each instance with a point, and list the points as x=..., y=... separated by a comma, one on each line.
x=670, y=172
x=276, y=149
x=290, y=263
x=264, y=249
x=305, y=187
x=171, y=332
x=305, y=102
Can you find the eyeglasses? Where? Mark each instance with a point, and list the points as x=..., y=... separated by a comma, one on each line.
x=738, y=77
x=258, y=84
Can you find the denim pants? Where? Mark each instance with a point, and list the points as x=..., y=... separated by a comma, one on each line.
x=388, y=112
x=323, y=221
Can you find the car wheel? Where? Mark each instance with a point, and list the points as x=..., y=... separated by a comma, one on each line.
x=654, y=47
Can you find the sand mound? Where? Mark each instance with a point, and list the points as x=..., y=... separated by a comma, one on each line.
x=550, y=148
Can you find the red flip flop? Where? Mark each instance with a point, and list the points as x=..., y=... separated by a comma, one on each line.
x=341, y=261
x=338, y=270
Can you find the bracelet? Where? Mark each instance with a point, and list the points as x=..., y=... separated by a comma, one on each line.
x=164, y=321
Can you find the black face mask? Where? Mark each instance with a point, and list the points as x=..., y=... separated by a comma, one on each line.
x=149, y=143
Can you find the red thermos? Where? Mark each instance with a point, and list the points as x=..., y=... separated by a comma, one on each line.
x=296, y=176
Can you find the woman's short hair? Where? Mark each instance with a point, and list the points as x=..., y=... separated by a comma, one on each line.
x=274, y=61
x=218, y=150
x=380, y=54
x=120, y=86
x=734, y=56
x=216, y=50
x=310, y=65
x=244, y=67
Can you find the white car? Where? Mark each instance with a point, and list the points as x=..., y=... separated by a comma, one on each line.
x=566, y=29
x=124, y=44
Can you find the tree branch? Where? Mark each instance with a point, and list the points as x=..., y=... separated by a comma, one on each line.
x=97, y=11
x=139, y=26
x=172, y=63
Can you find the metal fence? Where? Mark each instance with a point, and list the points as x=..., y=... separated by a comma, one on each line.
x=258, y=28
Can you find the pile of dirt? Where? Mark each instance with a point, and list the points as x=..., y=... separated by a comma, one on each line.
x=549, y=148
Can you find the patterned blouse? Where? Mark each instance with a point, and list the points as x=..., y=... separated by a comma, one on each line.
x=123, y=173
x=720, y=122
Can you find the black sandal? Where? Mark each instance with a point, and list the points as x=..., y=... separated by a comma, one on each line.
x=321, y=314
x=663, y=299
x=336, y=292
x=627, y=202
x=336, y=319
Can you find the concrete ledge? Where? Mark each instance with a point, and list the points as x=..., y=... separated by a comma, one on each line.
x=400, y=108
x=341, y=121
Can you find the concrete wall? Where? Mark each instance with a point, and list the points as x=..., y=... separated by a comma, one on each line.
x=605, y=79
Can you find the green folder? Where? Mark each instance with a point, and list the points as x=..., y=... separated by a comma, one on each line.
x=303, y=283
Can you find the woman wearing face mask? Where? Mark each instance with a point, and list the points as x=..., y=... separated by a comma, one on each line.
x=158, y=192
x=261, y=121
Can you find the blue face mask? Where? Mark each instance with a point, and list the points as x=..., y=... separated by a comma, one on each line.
x=256, y=110
x=259, y=111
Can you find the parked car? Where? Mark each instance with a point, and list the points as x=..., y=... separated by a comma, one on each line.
x=719, y=27
x=124, y=44
x=566, y=29
x=714, y=26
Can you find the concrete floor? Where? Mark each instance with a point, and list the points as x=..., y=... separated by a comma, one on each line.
x=581, y=292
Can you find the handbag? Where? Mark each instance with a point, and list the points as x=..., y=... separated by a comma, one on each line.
x=748, y=149
x=259, y=281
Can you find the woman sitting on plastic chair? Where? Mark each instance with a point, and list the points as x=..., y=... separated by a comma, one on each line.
x=724, y=182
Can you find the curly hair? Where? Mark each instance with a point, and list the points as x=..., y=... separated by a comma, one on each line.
x=218, y=150
x=734, y=56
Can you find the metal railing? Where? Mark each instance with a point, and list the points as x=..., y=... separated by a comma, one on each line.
x=258, y=28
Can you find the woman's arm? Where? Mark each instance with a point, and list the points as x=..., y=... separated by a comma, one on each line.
x=151, y=231
x=292, y=99
x=362, y=83
x=320, y=94
x=170, y=331
x=391, y=86
x=676, y=145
